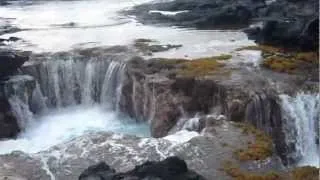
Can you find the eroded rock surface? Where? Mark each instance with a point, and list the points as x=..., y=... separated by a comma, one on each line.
x=203, y=154
x=156, y=91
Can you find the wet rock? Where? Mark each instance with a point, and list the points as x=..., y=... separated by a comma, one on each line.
x=202, y=154
x=236, y=110
x=10, y=61
x=19, y=86
x=292, y=24
x=160, y=99
x=9, y=127
x=171, y=168
x=6, y=25
x=153, y=92
x=148, y=46
x=17, y=91
x=100, y=171
x=21, y=166
x=264, y=112
x=201, y=14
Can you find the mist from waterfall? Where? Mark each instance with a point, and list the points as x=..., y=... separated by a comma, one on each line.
x=301, y=117
x=70, y=97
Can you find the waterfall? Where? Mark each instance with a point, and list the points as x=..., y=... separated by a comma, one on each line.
x=112, y=84
x=21, y=111
x=24, y=96
x=61, y=82
x=71, y=81
x=301, y=126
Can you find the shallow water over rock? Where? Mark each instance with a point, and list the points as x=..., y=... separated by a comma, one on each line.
x=63, y=25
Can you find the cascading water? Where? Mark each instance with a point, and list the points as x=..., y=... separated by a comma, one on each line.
x=71, y=81
x=69, y=97
x=301, y=118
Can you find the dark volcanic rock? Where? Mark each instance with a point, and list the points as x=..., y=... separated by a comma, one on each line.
x=20, y=90
x=9, y=127
x=171, y=168
x=201, y=13
x=293, y=24
x=10, y=61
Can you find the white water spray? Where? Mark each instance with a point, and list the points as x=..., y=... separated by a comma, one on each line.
x=62, y=125
x=82, y=95
x=301, y=118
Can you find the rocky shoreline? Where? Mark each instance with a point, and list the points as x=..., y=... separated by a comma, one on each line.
x=218, y=101
x=288, y=23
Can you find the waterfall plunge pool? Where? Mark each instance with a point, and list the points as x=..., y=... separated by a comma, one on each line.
x=58, y=126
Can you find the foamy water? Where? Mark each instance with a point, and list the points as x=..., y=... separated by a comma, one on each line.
x=301, y=118
x=58, y=126
x=64, y=25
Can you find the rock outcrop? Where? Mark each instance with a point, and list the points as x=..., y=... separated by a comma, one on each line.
x=172, y=168
x=154, y=91
x=288, y=23
x=11, y=61
x=9, y=127
x=203, y=14
x=12, y=86
x=292, y=24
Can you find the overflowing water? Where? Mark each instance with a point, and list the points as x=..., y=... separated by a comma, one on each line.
x=63, y=25
x=58, y=126
x=72, y=81
x=301, y=114
x=70, y=97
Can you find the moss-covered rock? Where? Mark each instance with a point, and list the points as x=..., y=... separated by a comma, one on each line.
x=260, y=149
x=196, y=67
x=236, y=173
x=305, y=173
x=300, y=173
x=285, y=60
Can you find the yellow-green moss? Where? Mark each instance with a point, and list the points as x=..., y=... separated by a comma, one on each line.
x=220, y=57
x=171, y=61
x=281, y=64
x=260, y=149
x=200, y=67
x=197, y=67
x=311, y=57
x=305, y=173
x=263, y=48
x=284, y=60
x=300, y=173
x=236, y=173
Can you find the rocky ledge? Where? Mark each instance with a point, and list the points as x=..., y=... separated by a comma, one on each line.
x=11, y=61
x=166, y=92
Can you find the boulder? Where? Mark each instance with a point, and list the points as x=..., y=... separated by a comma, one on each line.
x=10, y=61
x=172, y=168
x=9, y=127
x=292, y=24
